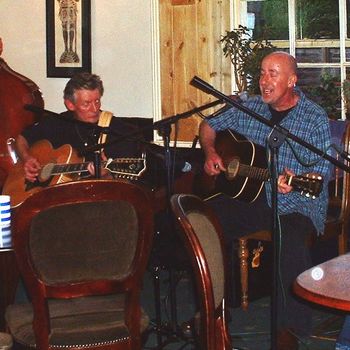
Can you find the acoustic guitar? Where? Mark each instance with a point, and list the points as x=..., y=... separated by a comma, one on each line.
x=62, y=165
x=246, y=172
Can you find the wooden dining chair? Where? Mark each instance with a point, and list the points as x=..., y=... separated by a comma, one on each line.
x=82, y=249
x=336, y=224
x=203, y=239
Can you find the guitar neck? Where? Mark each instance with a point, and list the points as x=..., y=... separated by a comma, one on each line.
x=127, y=167
x=253, y=172
x=309, y=185
x=60, y=169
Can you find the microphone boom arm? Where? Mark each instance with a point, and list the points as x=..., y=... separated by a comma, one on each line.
x=205, y=87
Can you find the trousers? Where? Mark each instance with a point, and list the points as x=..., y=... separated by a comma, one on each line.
x=240, y=218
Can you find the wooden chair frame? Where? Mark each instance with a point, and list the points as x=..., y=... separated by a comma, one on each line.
x=213, y=329
x=85, y=192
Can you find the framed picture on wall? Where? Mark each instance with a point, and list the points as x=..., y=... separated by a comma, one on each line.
x=68, y=37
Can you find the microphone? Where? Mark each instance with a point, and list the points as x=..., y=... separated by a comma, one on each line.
x=33, y=108
x=202, y=85
x=207, y=88
x=39, y=110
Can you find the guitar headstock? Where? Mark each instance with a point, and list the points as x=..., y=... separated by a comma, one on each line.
x=309, y=184
x=127, y=168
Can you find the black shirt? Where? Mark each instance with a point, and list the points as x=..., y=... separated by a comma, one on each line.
x=61, y=131
x=278, y=116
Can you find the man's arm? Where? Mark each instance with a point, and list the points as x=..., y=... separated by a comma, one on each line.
x=31, y=165
x=213, y=162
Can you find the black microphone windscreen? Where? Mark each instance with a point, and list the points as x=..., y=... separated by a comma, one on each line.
x=201, y=84
x=33, y=108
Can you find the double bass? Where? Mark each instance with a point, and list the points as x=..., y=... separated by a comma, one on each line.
x=16, y=91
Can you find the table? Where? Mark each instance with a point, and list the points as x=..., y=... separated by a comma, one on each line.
x=327, y=284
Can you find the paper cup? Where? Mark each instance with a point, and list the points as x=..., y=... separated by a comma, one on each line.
x=5, y=237
x=5, y=210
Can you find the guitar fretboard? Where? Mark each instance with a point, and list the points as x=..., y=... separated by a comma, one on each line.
x=253, y=172
x=69, y=168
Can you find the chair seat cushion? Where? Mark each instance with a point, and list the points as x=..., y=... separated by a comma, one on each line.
x=87, y=321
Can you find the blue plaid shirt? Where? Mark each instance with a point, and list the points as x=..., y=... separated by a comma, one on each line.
x=306, y=120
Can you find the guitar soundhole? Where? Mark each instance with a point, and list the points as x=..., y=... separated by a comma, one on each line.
x=232, y=168
x=46, y=172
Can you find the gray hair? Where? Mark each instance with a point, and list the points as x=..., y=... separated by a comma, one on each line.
x=82, y=81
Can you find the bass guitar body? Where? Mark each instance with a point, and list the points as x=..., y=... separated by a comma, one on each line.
x=233, y=147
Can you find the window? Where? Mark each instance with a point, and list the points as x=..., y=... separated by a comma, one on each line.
x=316, y=32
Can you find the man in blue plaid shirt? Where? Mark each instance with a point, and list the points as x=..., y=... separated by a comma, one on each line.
x=284, y=104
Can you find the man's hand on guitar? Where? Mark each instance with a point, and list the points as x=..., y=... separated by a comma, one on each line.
x=213, y=164
x=282, y=182
x=31, y=169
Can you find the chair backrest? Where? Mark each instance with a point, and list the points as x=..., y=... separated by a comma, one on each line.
x=84, y=238
x=345, y=211
x=203, y=239
x=339, y=190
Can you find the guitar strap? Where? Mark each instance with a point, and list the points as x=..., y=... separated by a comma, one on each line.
x=104, y=122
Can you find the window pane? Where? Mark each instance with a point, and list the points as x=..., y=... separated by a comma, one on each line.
x=317, y=55
x=348, y=17
x=317, y=19
x=322, y=85
x=317, y=31
x=266, y=18
x=347, y=43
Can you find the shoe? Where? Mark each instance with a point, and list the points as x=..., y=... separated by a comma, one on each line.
x=286, y=340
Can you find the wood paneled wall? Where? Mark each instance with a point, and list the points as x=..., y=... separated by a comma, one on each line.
x=190, y=32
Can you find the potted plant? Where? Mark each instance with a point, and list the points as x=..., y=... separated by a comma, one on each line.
x=246, y=55
x=346, y=96
x=327, y=94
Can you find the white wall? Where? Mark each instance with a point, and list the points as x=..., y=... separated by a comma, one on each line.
x=121, y=51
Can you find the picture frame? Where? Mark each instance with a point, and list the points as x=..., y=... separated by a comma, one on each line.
x=68, y=37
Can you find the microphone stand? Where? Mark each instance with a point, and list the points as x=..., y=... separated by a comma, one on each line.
x=275, y=140
x=97, y=159
x=164, y=128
